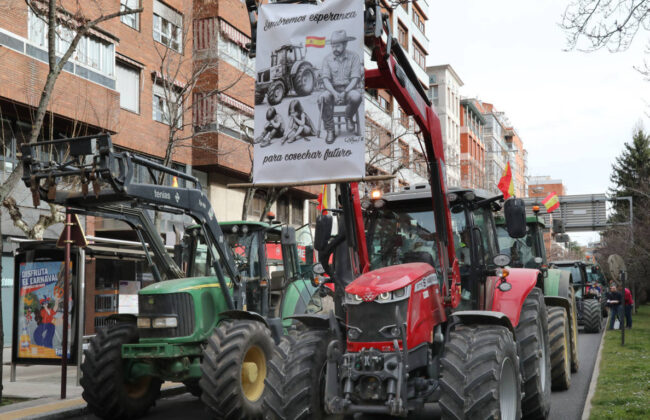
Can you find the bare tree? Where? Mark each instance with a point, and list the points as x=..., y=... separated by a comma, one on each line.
x=613, y=24
x=80, y=21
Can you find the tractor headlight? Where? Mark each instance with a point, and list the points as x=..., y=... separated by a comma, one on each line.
x=144, y=322
x=400, y=293
x=352, y=298
x=165, y=322
x=384, y=296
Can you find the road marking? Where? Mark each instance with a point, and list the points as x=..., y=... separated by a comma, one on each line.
x=45, y=408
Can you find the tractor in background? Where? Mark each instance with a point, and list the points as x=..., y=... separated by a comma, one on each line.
x=588, y=296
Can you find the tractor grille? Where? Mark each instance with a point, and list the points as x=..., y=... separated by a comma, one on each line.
x=372, y=318
x=180, y=304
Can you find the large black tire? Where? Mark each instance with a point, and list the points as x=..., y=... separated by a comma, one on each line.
x=559, y=334
x=479, y=374
x=575, y=361
x=259, y=97
x=305, y=376
x=534, y=356
x=591, y=315
x=193, y=387
x=304, y=81
x=603, y=307
x=105, y=387
x=276, y=93
x=241, y=370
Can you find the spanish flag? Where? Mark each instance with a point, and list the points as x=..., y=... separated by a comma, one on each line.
x=506, y=184
x=551, y=202
x=315, y=41
x=322, y=200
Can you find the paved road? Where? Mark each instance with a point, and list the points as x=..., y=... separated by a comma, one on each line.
x=566, y=405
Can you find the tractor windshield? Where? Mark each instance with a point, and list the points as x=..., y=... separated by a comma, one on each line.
x=595, y=275
x=402, y=232
x=245, y=247
x=576, y=277
x=522, y=251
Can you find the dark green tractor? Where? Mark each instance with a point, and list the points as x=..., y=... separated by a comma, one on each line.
x=589, y=296
x=559, y=296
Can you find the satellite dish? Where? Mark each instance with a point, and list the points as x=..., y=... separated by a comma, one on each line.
x=616, y=264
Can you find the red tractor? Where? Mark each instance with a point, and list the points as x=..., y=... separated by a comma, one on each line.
x=397, y=338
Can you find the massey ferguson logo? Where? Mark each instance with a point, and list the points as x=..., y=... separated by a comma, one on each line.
x=162, y=194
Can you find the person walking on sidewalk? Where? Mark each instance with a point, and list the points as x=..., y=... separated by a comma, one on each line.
x=629, y=305
x=614, y=300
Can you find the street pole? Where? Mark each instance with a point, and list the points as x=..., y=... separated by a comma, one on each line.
x=66, y=298
x=622, y=317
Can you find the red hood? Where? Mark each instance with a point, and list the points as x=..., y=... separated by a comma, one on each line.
x=387, y=279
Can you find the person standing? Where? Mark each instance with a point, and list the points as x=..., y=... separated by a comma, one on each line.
x=614, y=303
x=341, y=73
x=629, y=305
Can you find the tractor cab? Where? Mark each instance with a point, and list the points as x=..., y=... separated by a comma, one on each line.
x=526, y=252
x=274, y=261
x=581, y=284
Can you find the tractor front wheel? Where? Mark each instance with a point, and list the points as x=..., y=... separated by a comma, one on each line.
x=276, y=93
x=534, y=356
x=304, y=81
x=559, y=334
x=479, y=374
x=591, y=315
x=259, y=96
x=109, y=392
x=241, y=369
x=305, y=376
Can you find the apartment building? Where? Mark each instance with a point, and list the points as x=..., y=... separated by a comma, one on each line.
x=496, y=149
x=518, y=161
x=391, y=144
x=472, y=146
x=444, y=90
x=541, y=186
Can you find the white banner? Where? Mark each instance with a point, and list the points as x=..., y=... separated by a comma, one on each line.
x=309, y=113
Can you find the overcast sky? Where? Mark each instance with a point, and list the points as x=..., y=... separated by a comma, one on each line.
x=573, y=110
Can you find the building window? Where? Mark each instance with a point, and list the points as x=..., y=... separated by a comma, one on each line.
x=133, y=19
x=235, y=55
x=384, y=104
x=284, y=209
x=313, y=213
x=257, y=205
x=403, y=36
x=419, y=56
x=418, y=19
x=128, y=85
x=167, y=26
x=161, y=112
x=91, y=52
x=404, y=154
x=297, y=212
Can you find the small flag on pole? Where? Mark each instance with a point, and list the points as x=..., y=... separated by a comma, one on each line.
x=551, y=202
x=315, y=41
x=322, y=200
x=506, y=184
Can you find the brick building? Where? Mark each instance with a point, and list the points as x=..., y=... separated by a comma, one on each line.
x=472, y=146
x=540, y=187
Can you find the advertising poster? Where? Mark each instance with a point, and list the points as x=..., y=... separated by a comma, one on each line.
x=309, y=91
x=40, y=310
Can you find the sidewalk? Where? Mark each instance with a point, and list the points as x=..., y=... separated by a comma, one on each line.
x=42, y=385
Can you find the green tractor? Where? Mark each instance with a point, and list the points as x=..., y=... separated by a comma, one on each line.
x=213, y=323
x=559, y=296
x=590, y=297
x=596, y=279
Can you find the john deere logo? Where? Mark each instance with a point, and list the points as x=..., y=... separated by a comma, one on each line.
x=150, y=301
x=177, y=197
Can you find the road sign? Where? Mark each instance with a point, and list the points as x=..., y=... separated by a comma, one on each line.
x=77, y=235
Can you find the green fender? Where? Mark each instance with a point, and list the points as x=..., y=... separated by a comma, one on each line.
x=557, y=283
x=297, y=300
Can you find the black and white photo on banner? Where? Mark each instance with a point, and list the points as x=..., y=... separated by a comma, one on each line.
x=309, y=113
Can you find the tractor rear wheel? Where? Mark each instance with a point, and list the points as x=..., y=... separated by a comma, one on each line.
x=591, y=315
x=304, y=81
x=575, y=362
x=106, y=389
x=259, y=96
x=241, y=369
x=559, y=334
x=305, y=376
x=479, y=374
x=534, y=356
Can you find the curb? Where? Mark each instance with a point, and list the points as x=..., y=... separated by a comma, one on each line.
x=586, y=410
x=76, y=409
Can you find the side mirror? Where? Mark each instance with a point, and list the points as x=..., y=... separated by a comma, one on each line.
x=501, y=260
x=288, y=236
x=323, y=231
x=515, y=212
